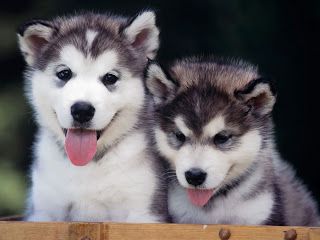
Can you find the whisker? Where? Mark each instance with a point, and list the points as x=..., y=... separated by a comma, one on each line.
x=172, y=182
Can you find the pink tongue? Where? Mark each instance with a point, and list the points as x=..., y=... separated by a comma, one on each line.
x=81, y=146
x=199, y=197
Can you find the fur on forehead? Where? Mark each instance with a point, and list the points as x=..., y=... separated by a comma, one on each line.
x=199, y=105
x=137, y=37
x=201, y=89
x=226, y=75
x=90, y=21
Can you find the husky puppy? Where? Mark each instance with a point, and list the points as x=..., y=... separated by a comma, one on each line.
x=85, y=82
x=214, y=129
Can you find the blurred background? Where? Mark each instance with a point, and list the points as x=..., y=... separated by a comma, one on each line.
x=281, y=37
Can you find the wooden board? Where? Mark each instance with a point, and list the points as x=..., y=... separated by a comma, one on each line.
x=14, y=230
x=314, y=234
x=198, y=232
x=29, y=230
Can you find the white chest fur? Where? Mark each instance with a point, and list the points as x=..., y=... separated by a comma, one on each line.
x=119, y=187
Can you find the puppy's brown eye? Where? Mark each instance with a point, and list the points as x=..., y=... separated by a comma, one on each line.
x=221, y=138
x=64, y=75
x=110, y=79
x=180, y=136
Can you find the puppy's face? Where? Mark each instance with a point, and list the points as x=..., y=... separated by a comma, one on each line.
x=84, y=92
x=86, y=77
x=208, y=136
x=208, y=143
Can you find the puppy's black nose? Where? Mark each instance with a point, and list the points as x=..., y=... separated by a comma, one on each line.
x=82, y=112
x=195, y=176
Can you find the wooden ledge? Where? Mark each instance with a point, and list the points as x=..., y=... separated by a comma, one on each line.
x=16, y=230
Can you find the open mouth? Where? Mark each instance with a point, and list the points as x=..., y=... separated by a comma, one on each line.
x=200, y=196
x=81, y=145
x=99, y=132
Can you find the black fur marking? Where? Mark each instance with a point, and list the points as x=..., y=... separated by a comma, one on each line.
x=211, y=103
x=163, y=69
x=22, y=28
x=128, y=23
x=251, y=85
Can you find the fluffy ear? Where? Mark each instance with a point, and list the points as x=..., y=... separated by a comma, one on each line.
x=259, y=95
x=142, y=33
x=159, y=83
x=33, y=36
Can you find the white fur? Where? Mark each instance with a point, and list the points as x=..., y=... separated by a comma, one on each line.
x=145, y=21
x=215, y=162
x=90, y=36
x=86, y=86
x=163, y=146
x=213, y=127
x=99, y=191
x=182, y=126
x=120, y=186
x=230, y=210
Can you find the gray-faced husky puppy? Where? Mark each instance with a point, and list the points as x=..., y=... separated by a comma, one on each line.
x=214, y=129
x=85, y=83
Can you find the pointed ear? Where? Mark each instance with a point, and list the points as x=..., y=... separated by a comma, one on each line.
x=33, y=36
x=142, y=33
x=259, y=95
x=159, y=83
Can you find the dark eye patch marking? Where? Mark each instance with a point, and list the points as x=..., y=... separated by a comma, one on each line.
x=62, y=75
x=176, y=139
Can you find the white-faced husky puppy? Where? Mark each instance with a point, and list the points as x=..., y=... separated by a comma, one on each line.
x=85, y=82
x=214, y=128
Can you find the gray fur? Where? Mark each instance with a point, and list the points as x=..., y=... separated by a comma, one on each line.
x=72, y=30
x=200, y=89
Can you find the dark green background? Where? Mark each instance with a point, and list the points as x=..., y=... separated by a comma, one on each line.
x=278, y=36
